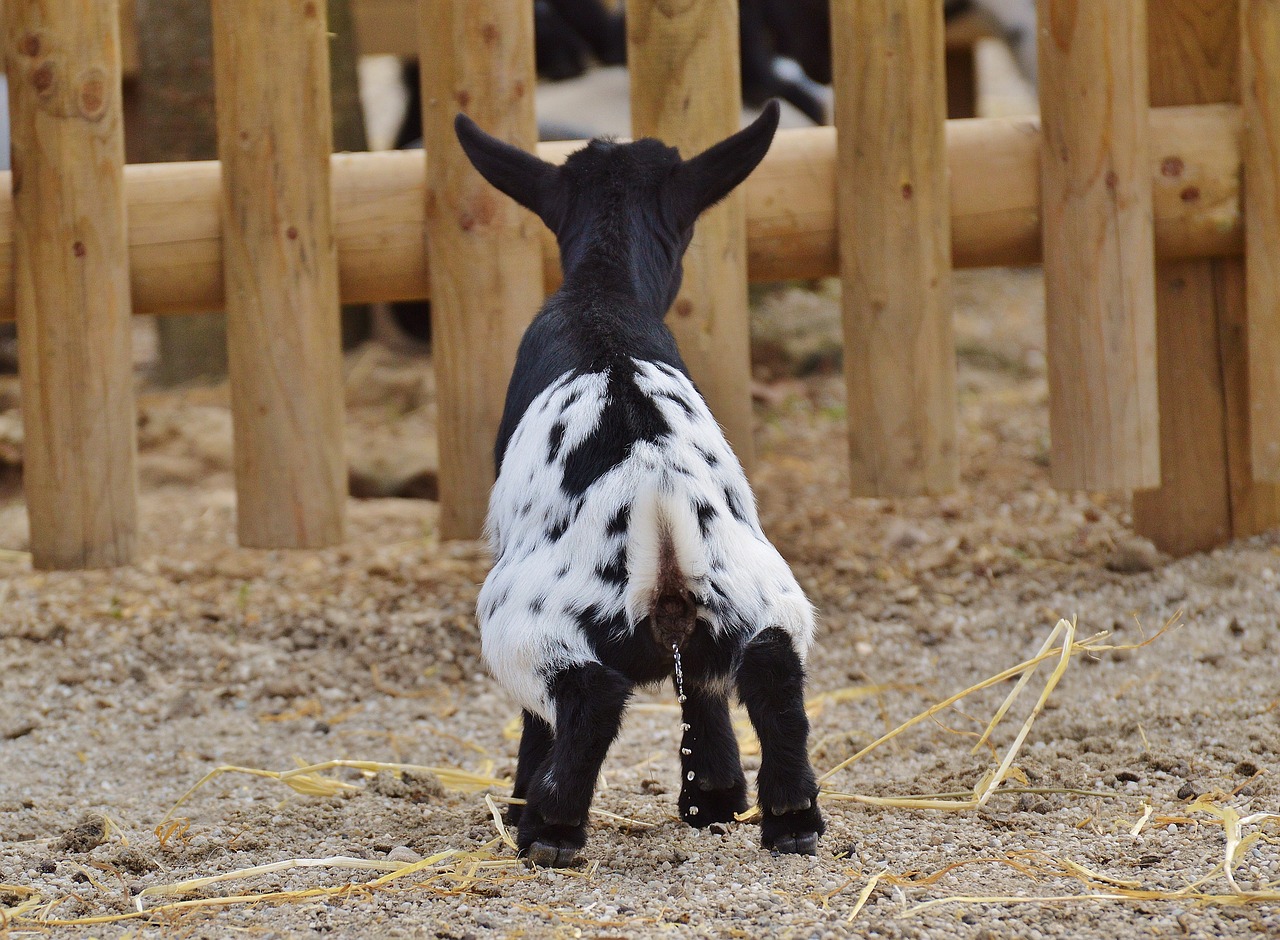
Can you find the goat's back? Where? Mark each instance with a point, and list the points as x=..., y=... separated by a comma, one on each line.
x=605, y=472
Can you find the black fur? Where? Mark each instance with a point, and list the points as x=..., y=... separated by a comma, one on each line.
x=718, y=789
x=535, y=745
x=623, y=216
x=628, y=417
x=589, y=704
x=771, y=686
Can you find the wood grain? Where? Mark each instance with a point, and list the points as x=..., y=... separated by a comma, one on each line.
x=1260, y=84
x=685, y=90
x=1099, y=259
x=483, y=250
x=1195, y=47
x=280, y=271
x=895, y=246
x=70, y=281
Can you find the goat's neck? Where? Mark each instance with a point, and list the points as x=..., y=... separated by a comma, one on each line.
x=636, y=273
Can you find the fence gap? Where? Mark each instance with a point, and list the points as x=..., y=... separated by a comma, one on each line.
x=71, y=273
x=686, y=91
x=275, y=134
x=483, y=250
x=895, y=246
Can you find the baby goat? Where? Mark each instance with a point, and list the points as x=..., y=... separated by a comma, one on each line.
x=621, y=523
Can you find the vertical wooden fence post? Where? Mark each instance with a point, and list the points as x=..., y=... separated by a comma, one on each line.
x=686, y=91
x=1207, y=494
x=275, y=135
x=1099, y=257
x=484, y=251
x=72, y=281
x=1260, y=99
x=892, y=203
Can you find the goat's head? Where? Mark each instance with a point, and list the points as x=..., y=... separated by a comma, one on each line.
x=634, y=201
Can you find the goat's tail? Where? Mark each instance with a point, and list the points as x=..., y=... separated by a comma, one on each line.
x=664, y=554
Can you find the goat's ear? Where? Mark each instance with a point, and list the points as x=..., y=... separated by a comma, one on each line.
x=710, y=176
x=522, y=176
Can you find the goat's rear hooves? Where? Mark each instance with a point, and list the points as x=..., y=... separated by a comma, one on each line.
x=792, y=833
x=797, y=844
x=551, y=854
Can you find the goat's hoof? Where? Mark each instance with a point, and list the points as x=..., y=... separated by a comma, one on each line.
x=802, y=844
x=794, y=833
x=551, y=854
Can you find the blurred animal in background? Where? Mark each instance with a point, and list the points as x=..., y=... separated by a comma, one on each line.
x=786, y=45
x=784, y=51
x=627, y=549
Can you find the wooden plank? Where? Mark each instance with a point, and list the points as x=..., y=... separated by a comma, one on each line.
x=71, y=282
x=484, y=250
x=1187, y=357
x=685, y=90
x=1260, y=85
x=1195, y=48
x=1099, y=259
x=274, y=138
x=386, y=27
x=175, y=235
x=1255, y=506
x=895, y=246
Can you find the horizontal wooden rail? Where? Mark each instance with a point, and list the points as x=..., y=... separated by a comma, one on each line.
x=175, y=245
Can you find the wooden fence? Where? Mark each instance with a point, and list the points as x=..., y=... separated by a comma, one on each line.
x=1163, y=357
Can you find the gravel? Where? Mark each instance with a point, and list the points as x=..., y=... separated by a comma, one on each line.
x=120, y=689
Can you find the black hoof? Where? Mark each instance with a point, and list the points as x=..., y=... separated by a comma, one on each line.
x=549, y=845
x=551, y=854
x=794, y=833
x=700, y=808
x=805, y=844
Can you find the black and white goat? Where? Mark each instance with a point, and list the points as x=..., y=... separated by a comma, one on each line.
x=621, y=523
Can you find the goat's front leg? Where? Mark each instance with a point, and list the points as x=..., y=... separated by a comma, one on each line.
x=771, y=685
x=589, y=701
x=712, y=786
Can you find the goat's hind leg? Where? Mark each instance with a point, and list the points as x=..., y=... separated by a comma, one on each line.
x=712, y=786
x=771, y=685
x=535, y=744
x=589, y=701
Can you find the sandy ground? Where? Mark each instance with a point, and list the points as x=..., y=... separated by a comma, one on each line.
x=121, y=689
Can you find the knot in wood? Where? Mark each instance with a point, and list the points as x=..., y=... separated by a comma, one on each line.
x=92, y=97
x=42, y=79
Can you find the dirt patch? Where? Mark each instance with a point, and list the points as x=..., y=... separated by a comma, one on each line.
x=121, y=689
